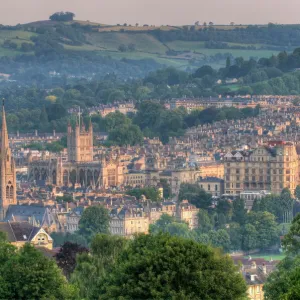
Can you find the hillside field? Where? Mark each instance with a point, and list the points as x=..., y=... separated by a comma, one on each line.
x=106, y=39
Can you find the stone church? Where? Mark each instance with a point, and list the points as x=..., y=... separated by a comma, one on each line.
x=80, y=169
x=8, y=172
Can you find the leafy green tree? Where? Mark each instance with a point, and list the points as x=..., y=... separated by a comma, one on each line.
x=167, y=192
x=150, y=193
x=195, y=195
x=297, y=192
x=291, y=241
x=204, y=222
x=93, y=267
x=239, y=212
x=266, y=227
x=126, y=135
x=163, y=267
x=249, y=237
x=235, y=234
x=283, y=283
x=116, y=120
x=219, y=239
x=28, y=274
x=60, y=238
x=225, y=207
x=161, y=224
x=95, y=219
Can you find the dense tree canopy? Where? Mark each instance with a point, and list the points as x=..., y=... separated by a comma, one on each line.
x=27, y=274
x=163, y=267
x=95, y=219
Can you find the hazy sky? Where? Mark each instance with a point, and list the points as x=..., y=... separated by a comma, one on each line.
x=155, y=11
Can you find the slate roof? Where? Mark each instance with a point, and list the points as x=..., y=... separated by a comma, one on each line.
x=18, y=231
x=40, y=215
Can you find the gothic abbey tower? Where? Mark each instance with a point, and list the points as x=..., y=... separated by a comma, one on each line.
x=80, y=142
x=8, y=172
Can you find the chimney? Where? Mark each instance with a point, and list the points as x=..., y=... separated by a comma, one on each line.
x=264, y=269
x=253, y=265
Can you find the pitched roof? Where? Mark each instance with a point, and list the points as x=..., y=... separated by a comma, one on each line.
x=25, y=213
x=18, y=231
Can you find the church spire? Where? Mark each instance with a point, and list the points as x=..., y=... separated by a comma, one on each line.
x=4, y=134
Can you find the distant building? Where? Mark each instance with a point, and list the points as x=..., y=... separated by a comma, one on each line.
x=128, y=221
x=271, y=167
x=188, y=213
x=8, y=172
x=255, y=272
x=37, y=216
x=20, y=233
x=251, y=196
x=80, y=169
x=212, y=185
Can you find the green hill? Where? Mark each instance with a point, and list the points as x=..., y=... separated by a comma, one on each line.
x=179, y=46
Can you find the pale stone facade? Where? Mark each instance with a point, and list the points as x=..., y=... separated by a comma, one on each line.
x=80, y=143
x=271, y=167
x=128, y=222
x=20, y=233
x=8, y=172
x=212, y=185
x=81, y=169
x=188, y=213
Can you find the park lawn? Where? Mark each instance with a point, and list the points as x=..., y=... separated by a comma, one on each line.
x=267, y=256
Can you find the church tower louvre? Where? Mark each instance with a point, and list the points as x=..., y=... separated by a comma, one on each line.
x=80, y=142
x=8, y=171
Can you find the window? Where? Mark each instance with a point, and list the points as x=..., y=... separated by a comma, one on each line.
x=216, y=187
x=208, y=187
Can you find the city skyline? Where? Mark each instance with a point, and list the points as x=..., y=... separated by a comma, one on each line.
x=154, y=12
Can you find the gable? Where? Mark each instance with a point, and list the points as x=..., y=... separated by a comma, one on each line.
x=39, y=232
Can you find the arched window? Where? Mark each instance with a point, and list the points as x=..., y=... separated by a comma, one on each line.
x=7, y=191
x=11, y=192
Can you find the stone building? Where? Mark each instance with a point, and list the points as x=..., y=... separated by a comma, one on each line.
x=20, y=233
x=8, y=172
x=271, y=167
x=212, y=185
x=80, y=169
x=128, y=221
x=188, y=213
x=80, y=143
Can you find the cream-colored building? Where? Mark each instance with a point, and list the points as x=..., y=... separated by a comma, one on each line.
x=188, y=213
x=80, y=169
x=129, y=221
x=272, y=167
x=212, y=185
x=80, y=142
x=135, y=179
x=20, y=233
x=8, y=185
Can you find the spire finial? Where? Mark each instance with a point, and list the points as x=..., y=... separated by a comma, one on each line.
x=3, y=101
